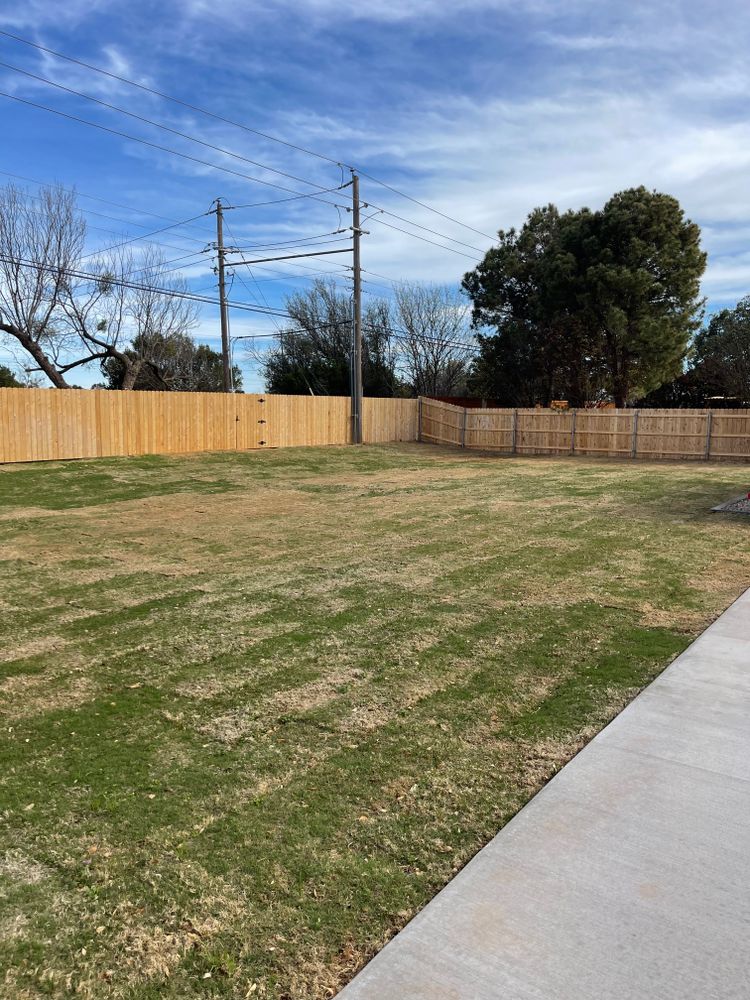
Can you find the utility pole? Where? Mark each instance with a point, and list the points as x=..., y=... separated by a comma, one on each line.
x=356, y=358
x=226, y=361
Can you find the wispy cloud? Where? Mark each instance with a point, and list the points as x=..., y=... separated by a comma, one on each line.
x=482, y=108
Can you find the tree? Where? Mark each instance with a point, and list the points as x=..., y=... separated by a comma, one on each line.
x=529, y=289
x=8, y=380
x=588, y=302
x=65, y=309
x=171, y=362
x=686, y=391
x=435, y=338
x=722, y=352
x=39, y=248
x=718, y=372
x=643, y=265
x=313, y=352
x=159, y=321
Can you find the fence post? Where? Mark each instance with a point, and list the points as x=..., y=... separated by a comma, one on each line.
x=463, y=428
x=709, y=425
x=634, y=449
x=419, y=418
x=514, y=432
x=573, y=434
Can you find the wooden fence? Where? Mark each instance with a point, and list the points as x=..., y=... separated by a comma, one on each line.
x=41, y=424
x=678, y=434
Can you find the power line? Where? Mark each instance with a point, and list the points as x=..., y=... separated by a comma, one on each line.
x=160, y=267
x=219, y=149
x=292, y=242
x=278, y=201
x=429, y=208
x=136, y=239
x=418, y=225
x=90, y=211
x=403, y=336
x=283, y=275
x=87, y=211
x=245, y=128
x=195, y=239
x=120, y=283
x=424, y=239
x=91, y=197
x=194, y=297
x=254, y=279
x=161, y=125
x=137, y=286
x=111, y=232
x=289, y=278
x=163, y=149
x=168, y=97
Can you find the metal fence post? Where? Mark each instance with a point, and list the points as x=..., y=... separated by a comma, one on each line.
x=634, y=450
x=419, y=419
x=573, y=434
x=709, y=425
x=463, y=428
x=514, y=432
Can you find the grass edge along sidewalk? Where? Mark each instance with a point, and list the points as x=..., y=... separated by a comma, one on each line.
x=625, y=875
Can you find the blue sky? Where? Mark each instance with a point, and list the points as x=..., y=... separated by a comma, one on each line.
x=481, y=108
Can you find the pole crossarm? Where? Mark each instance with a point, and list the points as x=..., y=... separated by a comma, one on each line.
x=291, y=256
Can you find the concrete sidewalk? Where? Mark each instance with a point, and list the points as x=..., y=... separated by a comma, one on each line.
x=627, y=876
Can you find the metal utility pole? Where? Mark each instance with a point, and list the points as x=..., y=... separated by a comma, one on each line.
x=226, y=360
x=356, y=357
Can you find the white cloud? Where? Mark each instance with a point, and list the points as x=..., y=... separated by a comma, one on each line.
x=656, y=95
x=386, y=11
x=38, y=14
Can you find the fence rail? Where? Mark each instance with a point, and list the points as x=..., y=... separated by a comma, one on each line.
x=681, y=434
x=44, y=424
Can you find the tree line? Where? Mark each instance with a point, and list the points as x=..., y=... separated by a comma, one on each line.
x=579, y=305
x=418, y=343
x=64, y=309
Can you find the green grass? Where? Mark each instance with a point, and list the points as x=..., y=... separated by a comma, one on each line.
x=257, y=709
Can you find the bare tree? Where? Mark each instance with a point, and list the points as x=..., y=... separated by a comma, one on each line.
x=39, y=247
x=313, y=354
x=158, y=325
x=65, y=310
x=436, y=337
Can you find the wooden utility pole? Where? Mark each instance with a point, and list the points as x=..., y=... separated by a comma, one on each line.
x=356, y=355
x=226, y=361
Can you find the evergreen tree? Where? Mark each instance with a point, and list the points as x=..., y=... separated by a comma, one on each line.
x=8, y=380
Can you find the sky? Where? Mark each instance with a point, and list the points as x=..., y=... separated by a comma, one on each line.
x=481, y=109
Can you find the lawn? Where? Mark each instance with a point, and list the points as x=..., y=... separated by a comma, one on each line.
x=258, y=708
